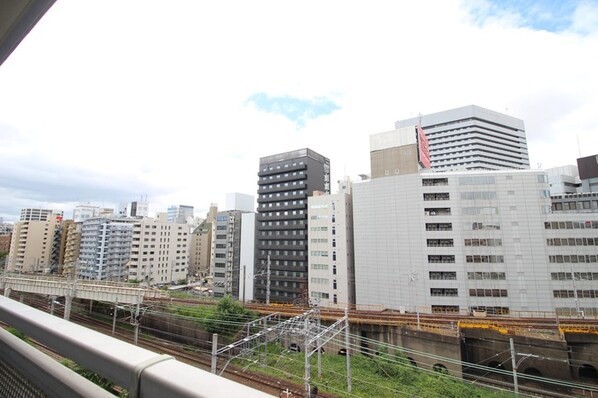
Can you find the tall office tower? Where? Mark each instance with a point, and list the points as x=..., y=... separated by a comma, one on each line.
x=159, y=251
x=179, y=214
x=32, y=247
x=105, y=248
x=401, y=151
x=285, y=181
x=39, y=214
x=331, y=262
x=588, y=173
x=140, y=208
x=473, y=138
x=201, y=245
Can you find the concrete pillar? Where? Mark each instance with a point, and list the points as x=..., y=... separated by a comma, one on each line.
x=68, y=300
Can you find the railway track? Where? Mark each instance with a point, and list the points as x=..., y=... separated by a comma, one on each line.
x=440, y=323
x=189, y=355
x=275, y=385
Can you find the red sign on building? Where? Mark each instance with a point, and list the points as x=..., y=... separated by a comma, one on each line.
x=424, y=149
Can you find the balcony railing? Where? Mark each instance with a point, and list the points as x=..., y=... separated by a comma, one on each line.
x=143, y=373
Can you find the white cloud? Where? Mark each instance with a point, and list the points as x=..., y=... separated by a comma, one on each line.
x=150, y=97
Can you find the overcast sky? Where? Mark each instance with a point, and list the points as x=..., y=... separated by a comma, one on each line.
x=107, y=101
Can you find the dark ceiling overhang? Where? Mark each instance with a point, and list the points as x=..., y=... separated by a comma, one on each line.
x=17, y=18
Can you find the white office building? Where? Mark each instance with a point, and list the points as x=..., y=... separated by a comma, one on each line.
x=464, y=241
x=232, y=251
x=85, y=212
x=180, y=214
x=331, y=261
x=563, y=180
x=473, y=138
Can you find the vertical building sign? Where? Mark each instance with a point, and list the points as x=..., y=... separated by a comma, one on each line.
x=424, y=149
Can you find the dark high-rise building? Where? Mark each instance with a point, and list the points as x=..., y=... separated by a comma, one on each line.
x=285, y=181
x=588, y=173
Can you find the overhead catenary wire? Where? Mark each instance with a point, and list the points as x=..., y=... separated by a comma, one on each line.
x=387, y=346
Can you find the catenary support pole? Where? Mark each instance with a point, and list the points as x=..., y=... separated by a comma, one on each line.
x=305, y=351
x=514, y=364
x=114, y=317
x=214, y=351
x=347, y=350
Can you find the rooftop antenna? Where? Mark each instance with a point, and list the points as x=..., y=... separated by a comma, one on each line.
x=578, y=147
x=419, y=115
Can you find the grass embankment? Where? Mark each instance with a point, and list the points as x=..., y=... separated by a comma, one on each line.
x=378, y=376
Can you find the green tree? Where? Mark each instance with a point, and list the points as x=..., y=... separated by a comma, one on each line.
x=3, y=255
x=228, y=317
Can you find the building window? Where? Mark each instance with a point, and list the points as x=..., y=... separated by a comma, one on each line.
x=484, y=259
x=440, y=242
x=444, y=292
x=441, y=259
x=478, y=195
x=443, y=275
x=439, y=226
x=486, y=276
x=431, y=182
x=488, y=293
x=436, y=196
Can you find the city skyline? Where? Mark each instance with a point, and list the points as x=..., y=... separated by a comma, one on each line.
x=149, y=106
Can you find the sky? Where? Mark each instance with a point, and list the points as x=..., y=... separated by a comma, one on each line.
x=108, y=101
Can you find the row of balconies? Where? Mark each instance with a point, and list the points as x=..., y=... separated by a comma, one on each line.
x=266, y=189
x=281, y=227
x=281, y=171
x=264, y=217
x=285, y=257
x=282, y=198
x=279, y=247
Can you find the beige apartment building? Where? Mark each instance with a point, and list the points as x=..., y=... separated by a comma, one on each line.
x=159, y=251
x=72, y=244
x=32, y=242
x=200, y=252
